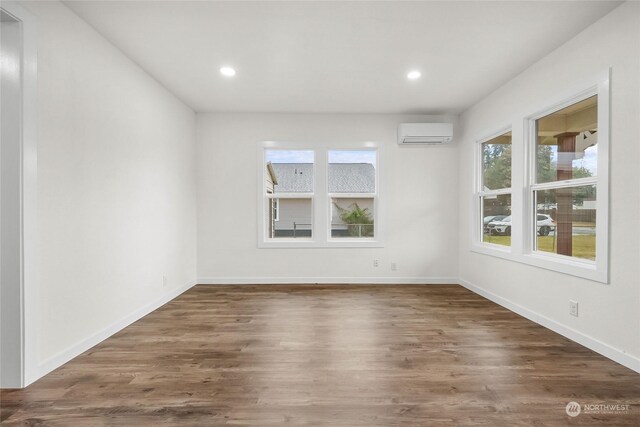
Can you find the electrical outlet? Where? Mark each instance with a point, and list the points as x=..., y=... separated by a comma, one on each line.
x=164, y=281
x=376, y=262
x=573, y=308
x=394, y=266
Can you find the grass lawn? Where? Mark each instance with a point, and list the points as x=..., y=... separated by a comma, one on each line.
x=497, y=240
x=584, y=246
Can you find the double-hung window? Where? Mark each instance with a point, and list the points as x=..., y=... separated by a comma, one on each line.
x=560, y=169
x=565, y=187
x=318, y=197
x=352, y=193
x=494, y=189
x=289, y=192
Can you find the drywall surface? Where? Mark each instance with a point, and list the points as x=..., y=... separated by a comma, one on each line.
x=116, y=186
x=418, y=202
x=609, y=314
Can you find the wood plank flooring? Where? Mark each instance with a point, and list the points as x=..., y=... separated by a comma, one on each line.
x=339, y=355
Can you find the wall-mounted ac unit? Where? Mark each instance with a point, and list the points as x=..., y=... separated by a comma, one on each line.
x=425, y=133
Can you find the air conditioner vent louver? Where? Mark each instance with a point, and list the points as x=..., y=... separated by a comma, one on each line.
x=425, y=133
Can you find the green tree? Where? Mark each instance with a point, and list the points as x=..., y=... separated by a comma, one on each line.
x=581, y=172
x=547, y=172
x=359, y=221
x=496, y=165
x=580, y=194
x=544, y=165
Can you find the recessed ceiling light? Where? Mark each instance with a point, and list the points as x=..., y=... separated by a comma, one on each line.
x=227, y=71
x=413, y=75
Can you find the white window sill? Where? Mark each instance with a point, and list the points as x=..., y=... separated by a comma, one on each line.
x=573, y=266
x=562, y=264
x=310, y=244
x=492, y=249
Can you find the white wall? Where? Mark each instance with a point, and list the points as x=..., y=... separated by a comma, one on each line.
x=116, y=188
x=609, y=314
x=418, y=194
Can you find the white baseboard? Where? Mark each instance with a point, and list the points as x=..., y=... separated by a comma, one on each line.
x=84, y=345
x=598, y=346
x=327, y=280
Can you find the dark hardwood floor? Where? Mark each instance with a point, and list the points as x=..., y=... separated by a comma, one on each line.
x=343, y=355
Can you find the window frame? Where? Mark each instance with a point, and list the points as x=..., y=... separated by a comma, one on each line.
x=320, y=198
x=524, y=174
x=374, y=196
x=280, y=196
x=594, y=270
x=480, y=193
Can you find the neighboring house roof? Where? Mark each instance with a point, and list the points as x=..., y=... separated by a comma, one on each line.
x=343, y=177
x=352, y=178
x=272, y=173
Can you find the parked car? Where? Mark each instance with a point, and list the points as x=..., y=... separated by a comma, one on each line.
x=488, y=219
x=501, y=226
x=545, y=224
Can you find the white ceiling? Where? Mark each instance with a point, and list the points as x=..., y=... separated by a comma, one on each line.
x=337, y=57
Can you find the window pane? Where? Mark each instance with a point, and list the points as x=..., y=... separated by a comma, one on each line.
x=566, y=221
x=289, y=171
x=496, y=222
x=352, y=171
x=289, y=218
x=496, y=163
x=567, y=142
x=352, y=217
